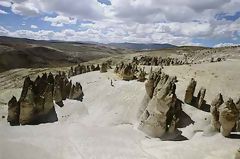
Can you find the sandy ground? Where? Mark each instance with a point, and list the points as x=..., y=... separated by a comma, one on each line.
x=104, y=125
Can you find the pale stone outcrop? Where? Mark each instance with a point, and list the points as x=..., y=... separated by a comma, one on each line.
x=159, y=116
x=127, y=72
x=70, y=72
x=215, y=111
x=76, y=92
x=228, y=115
x=238, y=120
x=103, y=67
x=97, y=68
x=141, y=75
x=36, y=105
x=92, y=68
x=200, y=98
x=13, y=111
x=189, y=95
x=27, y=107
x=57, y=91
x=26, y=84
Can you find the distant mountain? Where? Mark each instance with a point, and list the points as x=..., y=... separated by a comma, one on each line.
x=28, y=53
x=139, y=46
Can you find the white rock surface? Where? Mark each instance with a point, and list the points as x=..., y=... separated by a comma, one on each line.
x=103, y=126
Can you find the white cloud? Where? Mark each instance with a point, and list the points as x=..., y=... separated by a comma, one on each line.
x=5, y=4
x=25, y=8
x=3, y=31
x=59, y=21
x=84, y=9
x=226, y=44
x=161, y=21
x=3, y=12
x=34, y=26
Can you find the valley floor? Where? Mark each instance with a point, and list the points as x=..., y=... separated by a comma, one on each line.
x=104, y=125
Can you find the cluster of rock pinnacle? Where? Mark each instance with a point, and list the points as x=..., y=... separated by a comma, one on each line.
x=225, y=115
x=36, y=103
x=130, y=71
x=162, y=108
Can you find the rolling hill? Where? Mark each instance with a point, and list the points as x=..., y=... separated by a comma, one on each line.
x=27, y=53
x=139, y=46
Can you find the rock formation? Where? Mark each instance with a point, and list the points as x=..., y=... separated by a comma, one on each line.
x=141, y=75
x=158, y=61
x=76, y=92
x=27, y=107
x=58, y=90
x=200, y=98
x=103, y=67
x=97, y=68
x=228, y=115
x=70, y=72
x=161, y=113
x=13, y=111
x=190, y=92
x=238, y=120
x=215, y=111
x=127, y=72
x=36, y=103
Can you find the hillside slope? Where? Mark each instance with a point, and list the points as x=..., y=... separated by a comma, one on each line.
x=26, y=53
x=34, y=57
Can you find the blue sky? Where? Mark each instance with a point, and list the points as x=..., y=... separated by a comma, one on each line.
x=179, y=22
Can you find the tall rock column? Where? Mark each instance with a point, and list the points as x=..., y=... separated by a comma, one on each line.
x=190, y=92
x=13, y=112
x=228, y=117
x=27, y=107
x=159, y=114
x=215, y=111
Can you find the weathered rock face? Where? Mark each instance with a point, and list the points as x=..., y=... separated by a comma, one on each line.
x=127, y=72
x=26, y=84
x=88, y=69
x=92, y=68
x=97, y=68
x=200, y=98
x=238, y=120
x=158, y=61
x=58, y=91
x=238, y=104
x=27, y=107
x=36, y=104
x=141, y=75
x=190, y=92
x=228, y=115
x=161, y=112
x=215, y=111
x=70, y=72
x=13, y=111
x=103, y=67
x=76, y=92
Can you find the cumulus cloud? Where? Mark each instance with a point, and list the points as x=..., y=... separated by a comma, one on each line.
x=25, y=8
x=59, y=21
x=84, y=9
x=3, y=12
x=162, y=10
x=226, y=44
x=5, y=3
x=34, y=26
x=3, y=31
x=160, y=21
